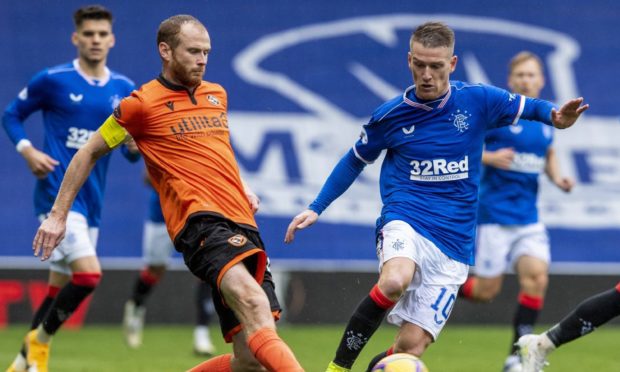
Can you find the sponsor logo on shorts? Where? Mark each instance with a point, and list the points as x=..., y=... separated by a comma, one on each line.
x=237, y=240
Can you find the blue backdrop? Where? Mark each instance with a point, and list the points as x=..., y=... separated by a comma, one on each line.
x=302, y=77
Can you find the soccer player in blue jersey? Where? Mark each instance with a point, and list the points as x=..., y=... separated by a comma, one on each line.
x=434, y=134
x=584, y=319
x=509, y=230
x=156, y=251
x=75, y=99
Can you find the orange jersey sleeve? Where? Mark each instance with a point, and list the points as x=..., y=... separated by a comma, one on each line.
x=185, y=141
x=128, y=113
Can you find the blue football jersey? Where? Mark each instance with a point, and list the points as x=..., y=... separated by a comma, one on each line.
x=431, y=170
x=74, y=105
x=508, y=197
x=155, y=213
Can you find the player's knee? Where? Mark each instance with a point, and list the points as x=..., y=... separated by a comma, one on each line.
x=252, y=299
x=535, y=283
x=156, y=271
x=86, y=279
x=393, y=287
x=486, y=294
x=412, y=345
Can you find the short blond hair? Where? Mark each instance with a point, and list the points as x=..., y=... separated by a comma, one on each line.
x=524, y=56
x=433, y=35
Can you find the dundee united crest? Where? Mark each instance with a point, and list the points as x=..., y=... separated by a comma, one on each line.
x=237, y=240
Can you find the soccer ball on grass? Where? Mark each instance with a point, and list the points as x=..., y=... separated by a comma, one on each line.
x=400, y=363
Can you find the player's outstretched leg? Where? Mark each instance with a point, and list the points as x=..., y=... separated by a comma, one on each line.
x=587, y=316
x=67, y=301
x=251, y=306
x=362, y=325
x=19, y=363
x=204, y=309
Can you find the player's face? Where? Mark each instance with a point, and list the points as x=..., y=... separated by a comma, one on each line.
x=527, y=78
x=188, y=60
x=93, y=40
x=431, y=69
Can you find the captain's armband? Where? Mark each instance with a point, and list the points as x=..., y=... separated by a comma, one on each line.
x=112, y=132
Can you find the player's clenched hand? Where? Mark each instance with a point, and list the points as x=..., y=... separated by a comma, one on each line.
x=40, y=163
x=568, y=114
x=50, y=234
x=502, y=158
x=253, y=199
x=565, y=184
x=301, y=221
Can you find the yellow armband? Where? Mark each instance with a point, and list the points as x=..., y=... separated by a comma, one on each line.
x=112, y=132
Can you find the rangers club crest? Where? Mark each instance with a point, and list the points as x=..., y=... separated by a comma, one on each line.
x=459, y=120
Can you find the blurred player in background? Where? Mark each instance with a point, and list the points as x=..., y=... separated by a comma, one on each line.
x=180, y=125
x=434, y=134
x=74, y=98
x=156, y=250
x=509, y=230
x=584, y=319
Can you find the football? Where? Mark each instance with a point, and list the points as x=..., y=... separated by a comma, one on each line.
x=400, y=363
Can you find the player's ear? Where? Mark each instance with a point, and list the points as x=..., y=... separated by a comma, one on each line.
x=112, y=40
x=165, y=52
x=453, y=60
x=74, y=38
x=410, y=60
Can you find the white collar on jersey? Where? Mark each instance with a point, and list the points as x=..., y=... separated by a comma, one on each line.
x=89, y=79
x=423, y=106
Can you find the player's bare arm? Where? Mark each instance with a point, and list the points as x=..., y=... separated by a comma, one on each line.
x=52, y=230
x=552, y=169
x=568, y=114
x=301, y=221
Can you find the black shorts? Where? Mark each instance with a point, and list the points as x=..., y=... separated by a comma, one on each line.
x=210, y=246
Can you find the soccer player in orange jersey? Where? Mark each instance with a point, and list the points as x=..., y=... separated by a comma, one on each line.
x=179, y=124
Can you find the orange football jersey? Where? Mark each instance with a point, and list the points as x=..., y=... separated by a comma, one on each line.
x=185, y=141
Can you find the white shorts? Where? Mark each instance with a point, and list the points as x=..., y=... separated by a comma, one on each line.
x=498, y=247
x=156, y=244
x=80, y=241
x=432, y=292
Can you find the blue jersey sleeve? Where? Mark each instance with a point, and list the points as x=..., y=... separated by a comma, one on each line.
x=343, y=175
x=371, y=142
x=29, y=100
x=537, y=110
x=132, y=157
x=503, y=108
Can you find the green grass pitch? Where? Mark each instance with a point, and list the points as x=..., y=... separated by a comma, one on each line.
x=168, y=348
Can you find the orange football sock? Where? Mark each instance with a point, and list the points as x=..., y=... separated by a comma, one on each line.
x=218, y=364
x=272, y=352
